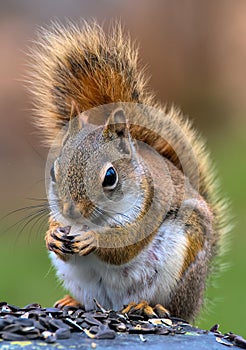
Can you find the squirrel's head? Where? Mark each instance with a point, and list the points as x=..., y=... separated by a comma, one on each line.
x=98, y=175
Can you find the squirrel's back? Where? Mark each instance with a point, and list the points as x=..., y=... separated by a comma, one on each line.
x=82, y=64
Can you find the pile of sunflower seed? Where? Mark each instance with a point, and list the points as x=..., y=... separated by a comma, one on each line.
x=51, y=324
x=228, y=339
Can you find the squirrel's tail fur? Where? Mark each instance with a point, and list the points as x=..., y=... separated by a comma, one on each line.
x=82, y=64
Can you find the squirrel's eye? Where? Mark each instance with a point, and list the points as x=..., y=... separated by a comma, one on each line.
x=52, y=173
x=110, y=179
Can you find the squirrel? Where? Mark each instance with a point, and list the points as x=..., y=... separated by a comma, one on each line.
x=135, y=218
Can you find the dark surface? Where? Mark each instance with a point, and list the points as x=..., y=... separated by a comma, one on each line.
x=126, y=341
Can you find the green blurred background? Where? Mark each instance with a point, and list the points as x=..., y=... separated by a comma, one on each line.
x=196, y=55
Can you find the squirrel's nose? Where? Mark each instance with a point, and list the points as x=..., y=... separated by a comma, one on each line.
x=69, y=210
x=75, y=211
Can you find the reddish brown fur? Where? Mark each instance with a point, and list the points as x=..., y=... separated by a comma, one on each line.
x=82, y=64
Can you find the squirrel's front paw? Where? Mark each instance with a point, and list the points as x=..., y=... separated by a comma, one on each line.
x=58, y=241
x=84, y=243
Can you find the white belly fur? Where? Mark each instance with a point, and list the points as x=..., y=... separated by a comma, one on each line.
x=150, y=276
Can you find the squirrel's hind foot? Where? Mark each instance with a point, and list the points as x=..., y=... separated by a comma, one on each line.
x=67, y=301
x=144, y=309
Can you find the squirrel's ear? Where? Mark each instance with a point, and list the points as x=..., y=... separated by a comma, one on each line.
x=117, y=127
x=117, y=124
x=77, y=119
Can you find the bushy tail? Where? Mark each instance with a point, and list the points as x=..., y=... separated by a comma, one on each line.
x=81, y=64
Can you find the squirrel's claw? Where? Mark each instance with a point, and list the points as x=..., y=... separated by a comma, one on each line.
x=84, y=243
x=67, y=301
x=161, y=311
x=144, y=309
x=58, y=241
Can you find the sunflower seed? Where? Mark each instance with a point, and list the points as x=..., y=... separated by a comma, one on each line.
x=50, y=339
x=92, y=321
x=240, y=341
x=57, y=323
x=224, y=342
x=215, y=328
x=63, y=333
x=73, y=324
x=142, y=338
x=54, y=311
x=121, y=327
x=12, y=336
x=12, y=328
x=105, y=333
x=3, y=323
x=25, y=322
x=32, y=306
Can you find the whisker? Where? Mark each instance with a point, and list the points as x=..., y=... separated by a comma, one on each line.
x=118, y=213
x=43, y=225
x=32, y=217
x=36, y=199
x=27, y=217
x=44, y=205
x=44, y=200
x=42, y=220
x=103, y=212
x=38, y=217
x=95, y=216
